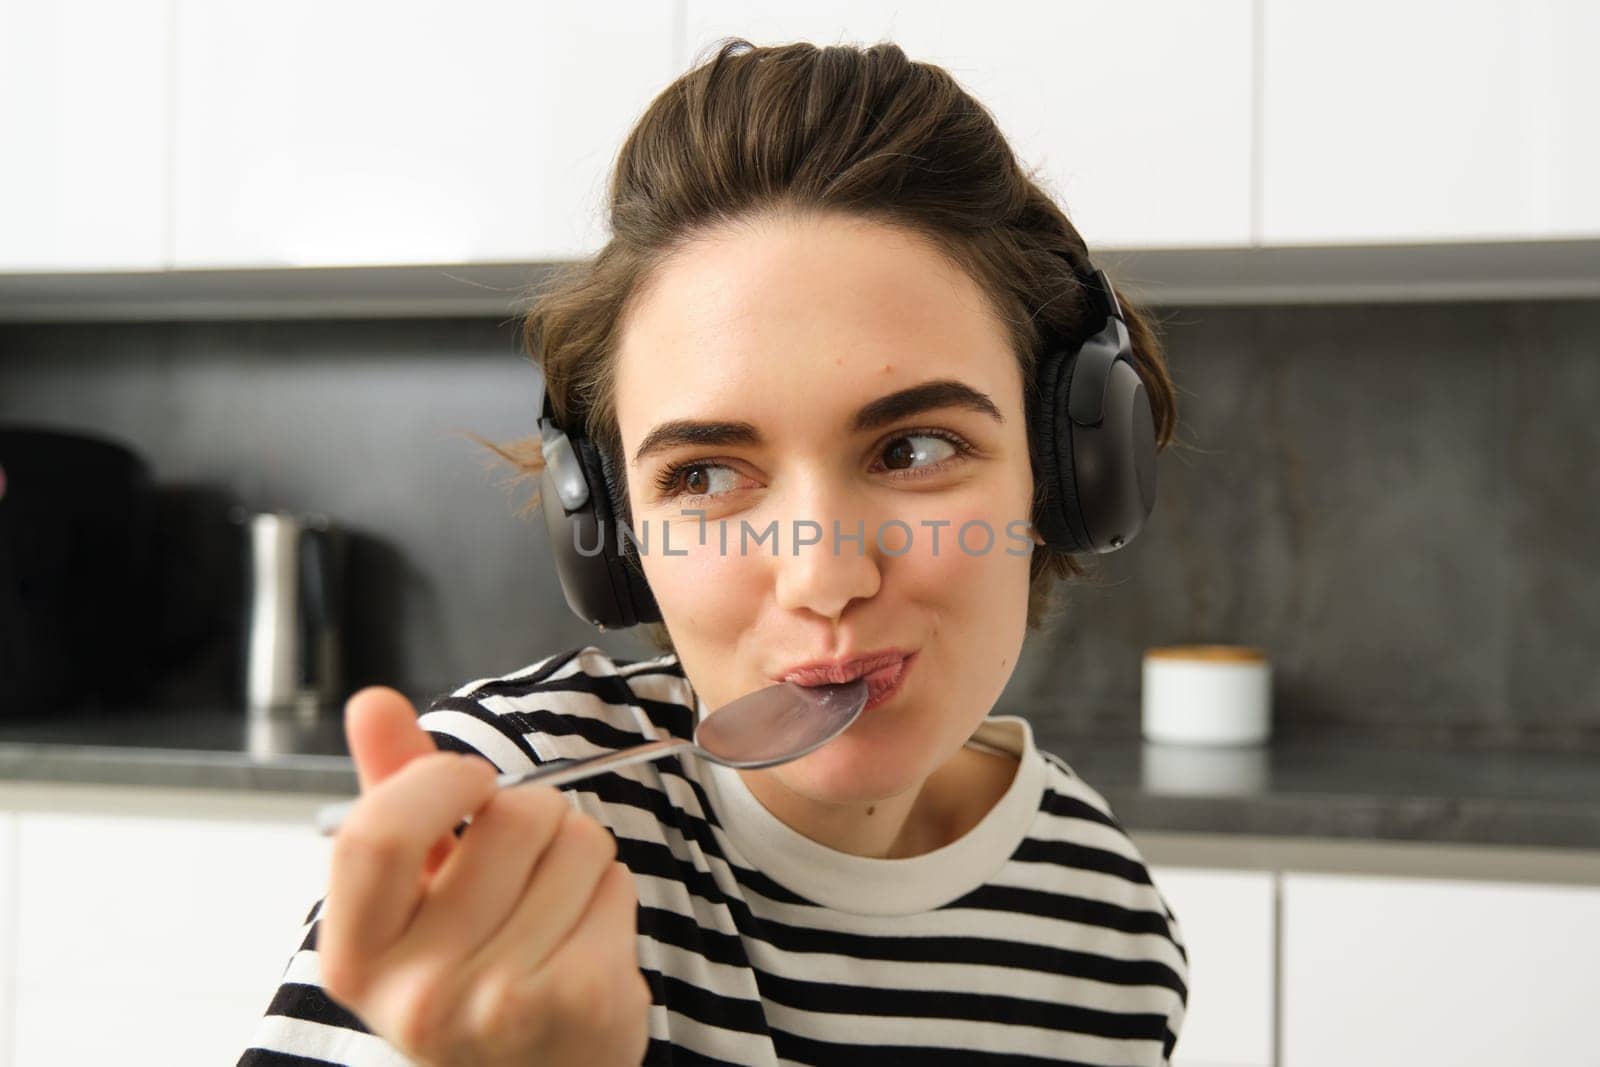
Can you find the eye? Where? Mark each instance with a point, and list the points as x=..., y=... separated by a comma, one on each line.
x=692, y=479
x=901, y=452
x=697, y=479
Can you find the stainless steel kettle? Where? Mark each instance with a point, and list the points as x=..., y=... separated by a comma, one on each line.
x=294, y=614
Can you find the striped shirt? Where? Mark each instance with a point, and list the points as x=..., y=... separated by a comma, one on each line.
x=1037, y=937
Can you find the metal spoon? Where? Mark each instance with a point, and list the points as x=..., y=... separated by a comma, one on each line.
x=762, y=729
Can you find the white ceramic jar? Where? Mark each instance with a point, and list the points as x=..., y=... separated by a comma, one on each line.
x=1206, y=695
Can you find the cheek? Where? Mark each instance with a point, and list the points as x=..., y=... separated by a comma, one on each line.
x=697, y=579
x=970, y=561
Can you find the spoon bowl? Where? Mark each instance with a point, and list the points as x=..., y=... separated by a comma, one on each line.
x=765, y=728
x=779, y=723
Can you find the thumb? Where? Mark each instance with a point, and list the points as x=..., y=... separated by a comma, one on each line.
x=380, y=726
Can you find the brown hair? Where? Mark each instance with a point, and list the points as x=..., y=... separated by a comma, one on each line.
x=798, y=129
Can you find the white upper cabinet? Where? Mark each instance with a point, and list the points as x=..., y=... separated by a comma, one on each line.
x=367, y=132
x=83, y=125
x=1394, y=972
x=191, y=134
x=1429, y=120
x=1137, y=115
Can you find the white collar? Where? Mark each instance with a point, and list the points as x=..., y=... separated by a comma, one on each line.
x=865, y=885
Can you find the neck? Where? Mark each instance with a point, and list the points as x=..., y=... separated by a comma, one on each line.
x=945, y=807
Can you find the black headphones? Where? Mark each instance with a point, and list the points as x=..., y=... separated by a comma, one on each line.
x=1094, y=441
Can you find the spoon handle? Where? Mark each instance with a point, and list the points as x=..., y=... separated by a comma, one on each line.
x=572, y=770
x=330, y=818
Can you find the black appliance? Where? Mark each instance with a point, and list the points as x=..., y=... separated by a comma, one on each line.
x=76, y=544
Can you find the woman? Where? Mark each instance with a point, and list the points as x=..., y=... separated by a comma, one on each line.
x=825, y=303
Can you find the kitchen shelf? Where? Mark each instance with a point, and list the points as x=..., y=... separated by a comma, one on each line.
x=1354, y=273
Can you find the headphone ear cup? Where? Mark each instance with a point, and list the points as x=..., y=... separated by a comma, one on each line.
x=634, y=589
x=1060, y=522
x=1115, y=471
x=600, y=586
x=585, y=580
x=612, y=560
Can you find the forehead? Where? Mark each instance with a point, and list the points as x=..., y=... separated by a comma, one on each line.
x=770, y=320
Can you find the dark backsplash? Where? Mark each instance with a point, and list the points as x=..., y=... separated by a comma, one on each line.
x=1397, y=501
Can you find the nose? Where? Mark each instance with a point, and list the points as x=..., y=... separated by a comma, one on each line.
x=824, y=576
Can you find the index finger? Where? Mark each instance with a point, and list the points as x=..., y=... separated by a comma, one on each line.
x=381, y=730
x=375, y=885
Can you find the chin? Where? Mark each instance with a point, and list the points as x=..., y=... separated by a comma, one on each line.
x=866, y=780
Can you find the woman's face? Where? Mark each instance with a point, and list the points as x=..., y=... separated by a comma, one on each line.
x=785, y=331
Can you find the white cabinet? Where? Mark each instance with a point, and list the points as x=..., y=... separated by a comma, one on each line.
x=1137, y=115
x=1227, y=919
x=83, y=125
x=153, y=939
x=374, y=132
x=1429, y=120
x=1559, y=88
x=1400, y=971
x=8, y=930
x=143, y=135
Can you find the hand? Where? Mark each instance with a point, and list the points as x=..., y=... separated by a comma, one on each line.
x=514, y=944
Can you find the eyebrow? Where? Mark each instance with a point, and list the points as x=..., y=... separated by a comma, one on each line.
x=928, y=396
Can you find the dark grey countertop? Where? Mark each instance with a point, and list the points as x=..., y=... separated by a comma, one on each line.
x=199, y=749
x=1327, y=785
x=1353, y=786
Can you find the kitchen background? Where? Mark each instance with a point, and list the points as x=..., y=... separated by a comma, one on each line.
x=1394, y=500
x=279, y=249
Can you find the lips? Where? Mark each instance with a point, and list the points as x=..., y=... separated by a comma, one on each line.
x=837, y=672
x=885, y=682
